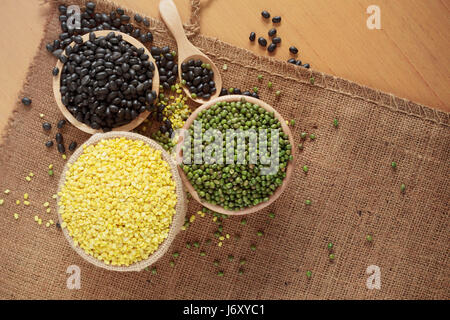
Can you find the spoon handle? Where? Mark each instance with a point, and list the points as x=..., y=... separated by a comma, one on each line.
x=171, y=18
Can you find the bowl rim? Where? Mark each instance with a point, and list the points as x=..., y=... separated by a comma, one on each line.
x=289, y=167
x=82, y=126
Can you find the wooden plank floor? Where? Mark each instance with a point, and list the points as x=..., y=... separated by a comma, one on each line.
x=409, y=56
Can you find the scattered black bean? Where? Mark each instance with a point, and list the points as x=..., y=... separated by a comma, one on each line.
x=61, y=123
x=26, y=101
x=252, y=36
x=262, y=42
x=272, y=32
x=107, y=82
x=61, y=148
x=49, y=144
x=276, y=40
x=146, y=22
x=265, y=14
x=198, y=77
x=59, y=138
x=72, y=146
x=47, y=126
x=299, y=63
x=55, y=71
x=276, y=19
x=293, y=50
x=271, y=47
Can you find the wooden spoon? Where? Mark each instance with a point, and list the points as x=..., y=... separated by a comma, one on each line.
x=186, y=50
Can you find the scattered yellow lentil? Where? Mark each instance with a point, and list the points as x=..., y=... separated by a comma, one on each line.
x=118, y=201
x=48, y=210
x=16, y=216
x=25, y=196
x=46, y=204
x=39, y=221
x=55, y=196
x=192, y=219
x=31, y=174
x=36, y=218
x=220, y=244
x=2, y=201
x=27, y=203
x=214, y=219
x=50, y=221
x=28, y=178
x=221, y=238
x=17, y=201
x=227, y=236
x=64, y=156
x=7, y=191
x=50, y=166
x=41, y=115
x=47, y=224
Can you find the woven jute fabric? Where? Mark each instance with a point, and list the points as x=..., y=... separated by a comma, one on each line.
x=177, y=219
x=353, y=189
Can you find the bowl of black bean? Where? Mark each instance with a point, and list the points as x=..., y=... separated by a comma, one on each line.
x=108, y=82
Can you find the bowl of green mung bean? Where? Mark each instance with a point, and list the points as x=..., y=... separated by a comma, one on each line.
x=235, y=156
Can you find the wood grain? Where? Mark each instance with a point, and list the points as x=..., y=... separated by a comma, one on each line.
x=409, y=56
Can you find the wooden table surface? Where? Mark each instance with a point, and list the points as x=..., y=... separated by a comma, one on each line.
x=409, y=56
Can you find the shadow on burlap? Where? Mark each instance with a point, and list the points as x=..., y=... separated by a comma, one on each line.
x=353, y=189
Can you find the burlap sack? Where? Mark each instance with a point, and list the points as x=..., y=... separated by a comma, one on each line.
x=177, y=219
x=353, y=189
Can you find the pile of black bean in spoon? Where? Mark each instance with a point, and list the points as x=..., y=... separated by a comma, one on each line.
x=106, y=82
x=198, y=77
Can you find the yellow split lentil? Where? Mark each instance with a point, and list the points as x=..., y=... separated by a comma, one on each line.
x=118, y=200
x=2, y=201
x=16, y=216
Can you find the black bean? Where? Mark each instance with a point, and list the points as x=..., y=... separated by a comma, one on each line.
x=265, y=14
x=293, y=50
x=26, y=101
x=262, y=42
x=137, y=18
x=252, y=36
x=61, y=148
x=276, y=40
x=49, y=144
x=59, y=138
x=61, y=123
x=55, y=71
x=47, y=126
x=276, y=19
x=271, y=47
x=90, y=5
x=146, y=22
x=291, y=60
x=306, y=65
x=298, y=62
x=272, y=32
x=72, y=146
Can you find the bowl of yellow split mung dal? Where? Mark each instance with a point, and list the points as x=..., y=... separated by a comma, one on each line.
x=121, y=201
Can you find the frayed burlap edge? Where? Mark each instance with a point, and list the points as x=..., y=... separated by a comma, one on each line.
x=177, y=219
